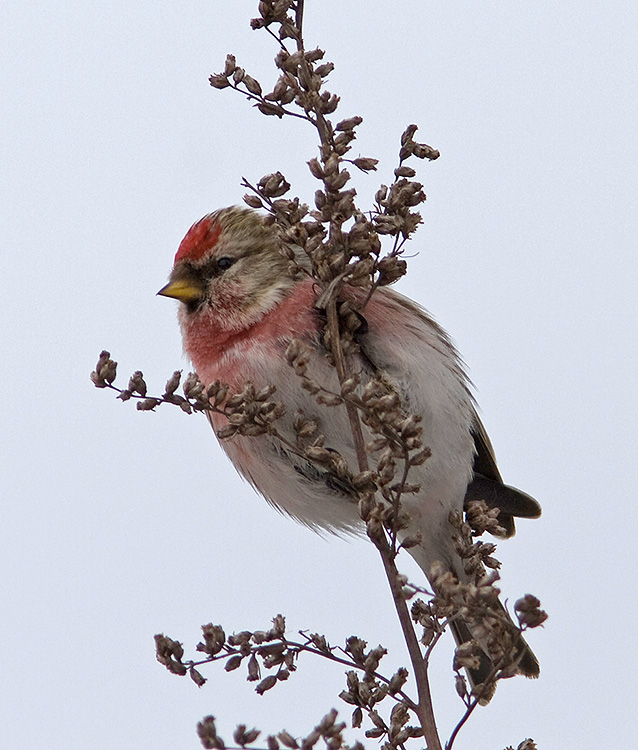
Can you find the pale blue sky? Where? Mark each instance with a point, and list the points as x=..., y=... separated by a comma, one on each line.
x=117, y=525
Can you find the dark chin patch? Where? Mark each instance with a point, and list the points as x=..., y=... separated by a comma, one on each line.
x=194, y=305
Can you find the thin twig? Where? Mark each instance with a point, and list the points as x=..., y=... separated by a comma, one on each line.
x=304, y=647
x=343, y=374
x=424, y=710
x=459, y=726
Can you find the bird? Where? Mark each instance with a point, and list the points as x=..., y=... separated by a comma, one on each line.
x=241, y=308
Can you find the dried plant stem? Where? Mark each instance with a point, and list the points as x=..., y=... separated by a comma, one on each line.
x=299, y=14
x=343, y=374
x=424, y=709
x=305, y=648
x=459, y=726
x=476, y=699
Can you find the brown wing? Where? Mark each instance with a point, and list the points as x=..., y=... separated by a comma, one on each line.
x=487, y=485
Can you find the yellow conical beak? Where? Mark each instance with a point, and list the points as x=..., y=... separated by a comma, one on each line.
x=185, y=290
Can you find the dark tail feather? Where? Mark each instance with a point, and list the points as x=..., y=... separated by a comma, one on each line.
x=526, y=663
x=479, y=676
x=510, y=502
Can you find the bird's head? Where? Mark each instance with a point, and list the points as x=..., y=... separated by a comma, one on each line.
x=229, y=265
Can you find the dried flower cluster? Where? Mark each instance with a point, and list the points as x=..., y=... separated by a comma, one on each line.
x=343, y=247
x=396, y=439
x=337, y=254
x=272, y=651
x=328, y=730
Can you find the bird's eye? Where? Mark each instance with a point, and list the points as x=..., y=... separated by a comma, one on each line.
x=224, y=263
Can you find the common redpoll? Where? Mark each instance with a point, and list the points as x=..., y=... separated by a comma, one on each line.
x=241, y=309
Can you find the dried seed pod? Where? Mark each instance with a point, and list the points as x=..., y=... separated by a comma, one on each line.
x=309, y=429
x=136, y=383
x=235, y=401
x=356, y=648
x=227, y=432
x=337, y=181
x=148, y=404
x=233, y=663
x=287, y=739
x=529, y=612
x=108, y=371
x=207, y=733
x=266, y=684
x=314, y=54
x=230, y=65
x=196, y=677
x=349, y=123
x=328, y=399
x=219, y=81
x=315, y=168
x=288, y=95
x=193, y=387
x=365, y=164
x=273, y=185
x=214, y=639
x=279, y=625
x=253, y=86
x=325, y=69
x=467, y=656
x=253, y=201
x=328, y=103
x=253, y=669
x=423, y=151
x=243, y=737
x=172, y=383
x=270, y=109
x=404, y=171
x=318, y=454
x=265, y=393
x=320, y=199
x=408, y=133
x=398, y=680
